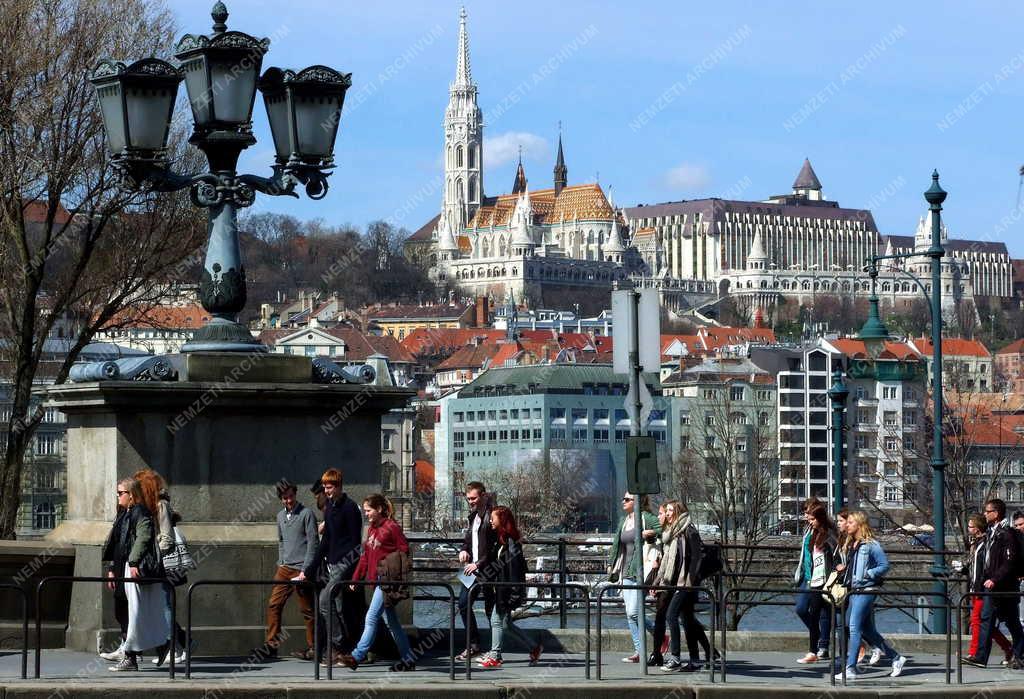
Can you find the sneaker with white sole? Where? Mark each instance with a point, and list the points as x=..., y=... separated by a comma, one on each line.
x=114, y=656
x=851, y=675
x=126, y=665
x=876, y=655
x=897, y=666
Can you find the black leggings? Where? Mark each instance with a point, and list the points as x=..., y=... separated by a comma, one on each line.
x=662, y=601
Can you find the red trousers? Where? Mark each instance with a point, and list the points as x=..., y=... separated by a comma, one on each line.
x=997, y=635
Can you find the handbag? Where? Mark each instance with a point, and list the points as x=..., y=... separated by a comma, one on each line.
x=835, y=589
x=178, y=561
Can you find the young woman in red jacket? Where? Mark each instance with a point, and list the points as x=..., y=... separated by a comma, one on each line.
x=383, y=537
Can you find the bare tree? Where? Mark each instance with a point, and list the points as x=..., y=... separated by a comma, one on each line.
x=727, y=472
x=71, y=243
x=544, y=492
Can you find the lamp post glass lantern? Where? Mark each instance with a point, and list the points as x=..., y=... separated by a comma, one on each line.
x=221, y=75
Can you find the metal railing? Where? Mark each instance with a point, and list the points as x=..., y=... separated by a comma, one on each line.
x=24, y=625
x=646, y=588
x=233, y=583
x=334, y=588
x=834, y=632
x=483, y=584
x=128, y=581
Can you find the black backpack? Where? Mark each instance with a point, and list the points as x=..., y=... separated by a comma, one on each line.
x=710, y=561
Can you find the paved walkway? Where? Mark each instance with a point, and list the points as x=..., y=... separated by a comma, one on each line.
x=557, y=675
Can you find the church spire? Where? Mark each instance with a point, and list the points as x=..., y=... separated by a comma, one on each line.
x=519, y=186
x=463, y=76
x=561, y=172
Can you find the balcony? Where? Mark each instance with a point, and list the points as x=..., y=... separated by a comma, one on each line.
x=866, y=426
x=867, y=402
x=867, y=452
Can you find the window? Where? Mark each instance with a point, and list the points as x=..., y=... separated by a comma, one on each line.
x=579, y=434
x=458, y=440
x=491, y=415
x=47, y=444
x=47, y=480
x=709, y=442
x=503, y=415
x=492, y=435
x=861, y=393
x=710, y=394
x=385, y=440
x=503, y=435
x=910, y=417
x=620, y=435
x=684, y=418
x=892, y=444
x=891, y=469
x=892, y=493
x=579, y=416
x=736, y=393
x=659, y=436
x=741, y=446
x=557, y=415
x=889, y=392
x=764, y=396
x=860, y=441
x=536, y=413
x=600, y=436
x=471, y=437
x=558, y=434
x=537, y=435
x=738, y=419
x=908, y=443
x=513, y=414
x=684, y=442
x=864, y=468
x=709, y=419
x=889, y=418
x=909, y=394
x=763, y=419
x=515, y=435
x=481, y=436
x=44, y=516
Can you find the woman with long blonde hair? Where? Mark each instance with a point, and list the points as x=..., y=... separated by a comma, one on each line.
x=865, y=572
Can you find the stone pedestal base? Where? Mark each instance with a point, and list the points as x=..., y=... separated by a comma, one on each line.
x=221, y=447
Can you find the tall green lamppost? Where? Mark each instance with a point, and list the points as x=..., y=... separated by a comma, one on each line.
x=874, y=334
x=838, y=395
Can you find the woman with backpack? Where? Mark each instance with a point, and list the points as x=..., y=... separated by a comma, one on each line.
x=510, y=568
x=384, y=536
x=147, y=625
x=817, y=562
x=865, y=571
x=679, y=566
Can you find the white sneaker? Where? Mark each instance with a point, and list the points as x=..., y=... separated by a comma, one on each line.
x=897, y=666
x=114, y=656
x=876, y=655
x=851, y=675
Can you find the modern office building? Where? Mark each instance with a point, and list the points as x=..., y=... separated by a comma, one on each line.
x=550, y=413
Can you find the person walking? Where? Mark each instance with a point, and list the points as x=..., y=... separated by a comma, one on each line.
x=147, y=625
x=975, y=572
x=680, y=566
x=865, y=572
x=805, y=599
x=297, y=542
x=510, y=567
x=154, y=490
x=383, y=537
x=622, y=564
x=840, y=558
x=817, y=554
x=339, y=548
x=999, y=576
x=479, y=549
x=115, y=552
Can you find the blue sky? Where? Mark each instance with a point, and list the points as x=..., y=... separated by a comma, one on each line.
x=669, y=100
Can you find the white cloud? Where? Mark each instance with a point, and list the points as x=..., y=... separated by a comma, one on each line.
x=688, y=177
x=504, y=148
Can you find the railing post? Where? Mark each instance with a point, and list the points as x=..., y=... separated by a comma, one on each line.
x=562, y=577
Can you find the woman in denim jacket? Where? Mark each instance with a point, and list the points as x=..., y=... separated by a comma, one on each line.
x=865, y=571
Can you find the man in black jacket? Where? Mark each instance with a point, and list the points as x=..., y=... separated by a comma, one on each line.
x=1000, y=564
x=339, y=546
x=478, y=556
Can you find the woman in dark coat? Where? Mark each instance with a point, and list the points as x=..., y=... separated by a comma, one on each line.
x=147, y=626
x=115, y=554
x=511, y=568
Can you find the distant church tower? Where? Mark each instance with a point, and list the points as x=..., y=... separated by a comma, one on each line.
x=463, y=142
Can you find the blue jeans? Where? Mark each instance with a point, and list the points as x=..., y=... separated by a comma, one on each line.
x=632, y=600
x=469, y=616
x=501, y=623
x=862, y=627
x=816, y=615
x=373, y=615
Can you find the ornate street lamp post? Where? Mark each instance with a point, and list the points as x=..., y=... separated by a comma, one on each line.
x=838, y=394
x=221, y=74
x=874, y=335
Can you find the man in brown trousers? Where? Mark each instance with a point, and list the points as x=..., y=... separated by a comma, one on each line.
x=296, y=546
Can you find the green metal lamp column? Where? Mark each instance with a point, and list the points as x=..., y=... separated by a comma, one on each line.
x=838, y=394
x=935, y=196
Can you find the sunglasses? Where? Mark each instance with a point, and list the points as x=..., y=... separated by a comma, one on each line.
x=122, y=492
x=627, y=499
